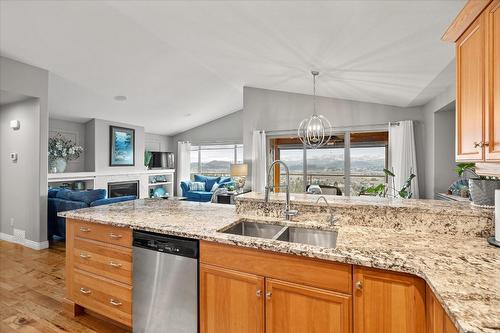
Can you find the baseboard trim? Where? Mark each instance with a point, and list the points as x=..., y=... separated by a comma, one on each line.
x=25, y=242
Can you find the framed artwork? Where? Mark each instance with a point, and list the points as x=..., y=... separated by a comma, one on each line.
x=121, y=146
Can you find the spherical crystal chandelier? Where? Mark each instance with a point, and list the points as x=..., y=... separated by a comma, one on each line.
x=315, y=131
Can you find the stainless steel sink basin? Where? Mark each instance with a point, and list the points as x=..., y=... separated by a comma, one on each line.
x=254, y=229
x=315, y=237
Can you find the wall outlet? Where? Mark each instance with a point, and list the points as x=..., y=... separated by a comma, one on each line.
x=13, y=157
x=11, y=221
x=19, y=236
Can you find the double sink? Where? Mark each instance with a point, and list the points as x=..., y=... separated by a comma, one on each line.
x=316, y=237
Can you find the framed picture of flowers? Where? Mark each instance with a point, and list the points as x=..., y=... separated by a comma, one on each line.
x=121, y=146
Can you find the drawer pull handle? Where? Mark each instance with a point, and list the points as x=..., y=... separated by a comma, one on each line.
x=84, y=255
x=115, y=302
x=115, y=236
x=84, y=229
x=85, y=291
x=115, y=264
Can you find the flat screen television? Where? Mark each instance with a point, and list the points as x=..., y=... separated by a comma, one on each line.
x=162, y=160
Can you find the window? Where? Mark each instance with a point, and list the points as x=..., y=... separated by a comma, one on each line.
x=215, y=160
x=329, y=166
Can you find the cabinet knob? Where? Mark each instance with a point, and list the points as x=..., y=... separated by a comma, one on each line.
x=115, y=264
x=84, y=229
x=359, y=285
x=269, y=294
x=258, y=293
x=486, y=144
x=115, y=236
x=481, y=144
x=115, y=302
x=85, y=291
x=84, y=255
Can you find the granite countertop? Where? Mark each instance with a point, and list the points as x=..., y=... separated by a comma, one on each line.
x=462, y=271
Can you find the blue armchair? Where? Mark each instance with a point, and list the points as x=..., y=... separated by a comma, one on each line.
x=204, y=196
x=61, y=200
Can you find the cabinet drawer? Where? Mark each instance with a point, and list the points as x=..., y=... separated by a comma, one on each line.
x=108, y=298
x=307, y=271
x=104, y=233
x=102, y=259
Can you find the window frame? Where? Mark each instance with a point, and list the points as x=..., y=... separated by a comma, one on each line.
x=216, y=146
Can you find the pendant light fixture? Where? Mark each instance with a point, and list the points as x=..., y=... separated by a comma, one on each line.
x=315, y=131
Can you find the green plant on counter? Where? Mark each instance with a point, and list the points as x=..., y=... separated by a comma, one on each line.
x=147, y=158
x=382, y=190
x=462, y=168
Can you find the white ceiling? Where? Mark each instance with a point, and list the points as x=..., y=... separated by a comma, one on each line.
x=182, y=64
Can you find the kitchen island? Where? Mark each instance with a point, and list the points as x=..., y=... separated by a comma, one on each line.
x=460, y=268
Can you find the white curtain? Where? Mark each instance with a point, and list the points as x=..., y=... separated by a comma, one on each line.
x=402, y=155
x=259, y=163
x=183, y=164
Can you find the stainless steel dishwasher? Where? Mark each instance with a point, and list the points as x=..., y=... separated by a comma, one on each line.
x=165, y=284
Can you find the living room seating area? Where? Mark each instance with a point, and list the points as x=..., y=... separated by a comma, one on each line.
x=203, y=187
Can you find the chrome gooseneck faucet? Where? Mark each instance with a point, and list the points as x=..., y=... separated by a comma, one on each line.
x=288, y=212
x=333, y=219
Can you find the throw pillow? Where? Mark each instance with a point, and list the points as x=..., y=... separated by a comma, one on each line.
x=215, y=187
x=197, y=186
x=209, y=181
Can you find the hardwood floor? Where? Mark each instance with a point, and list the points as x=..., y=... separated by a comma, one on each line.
x=31, y=290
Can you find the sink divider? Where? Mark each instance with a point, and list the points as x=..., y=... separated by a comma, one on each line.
x=279, y=233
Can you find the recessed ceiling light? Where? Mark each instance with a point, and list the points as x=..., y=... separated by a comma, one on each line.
x=120, y=98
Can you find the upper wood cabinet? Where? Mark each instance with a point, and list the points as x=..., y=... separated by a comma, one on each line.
x=478, y=81
x=293, y=307
x=470, y=49
x=492, y=125
x=230, y=301
x=388, y=302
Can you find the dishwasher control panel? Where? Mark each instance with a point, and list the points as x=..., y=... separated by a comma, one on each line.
x=167, y=244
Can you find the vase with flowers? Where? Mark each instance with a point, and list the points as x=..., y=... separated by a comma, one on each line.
x=62, y=150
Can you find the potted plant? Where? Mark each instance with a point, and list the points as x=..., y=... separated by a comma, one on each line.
x=482, y=188
x=62, y=150
x=386, y=190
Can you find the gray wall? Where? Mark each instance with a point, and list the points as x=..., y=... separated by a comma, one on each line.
x=75, y=132
x=444, y=148
x=157, y=142
x=228, y=129
x=101, y=139
x=24, y=79
x=275, y=110
x=19, y=180
x=441, y=102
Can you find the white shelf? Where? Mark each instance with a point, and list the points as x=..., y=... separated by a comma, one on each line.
x=159, y=183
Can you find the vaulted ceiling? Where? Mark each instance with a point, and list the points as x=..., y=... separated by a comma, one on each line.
x=183, y=63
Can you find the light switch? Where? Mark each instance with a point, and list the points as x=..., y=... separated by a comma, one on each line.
x=13, y=157
x=15, y=124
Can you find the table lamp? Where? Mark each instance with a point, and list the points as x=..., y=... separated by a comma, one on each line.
x=239, y=173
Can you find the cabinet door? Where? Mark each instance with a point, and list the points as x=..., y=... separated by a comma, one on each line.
x=492, y=127
x=470, y=106
x=297, y=308
x=388, y=302
x=230, y=301
x=437, y=320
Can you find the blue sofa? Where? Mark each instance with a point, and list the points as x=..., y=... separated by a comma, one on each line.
x=61, y=200
x=204, y=196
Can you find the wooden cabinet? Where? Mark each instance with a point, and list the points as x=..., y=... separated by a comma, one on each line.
x=470, y=107
x=437, y=320
x=292, y=307
x=388, y=302
x=492, y=122
x=476, y=32
x=247, y=290
x=230, y=301
x=99, y=270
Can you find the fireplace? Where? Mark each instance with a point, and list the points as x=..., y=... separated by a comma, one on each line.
x=120, y=189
